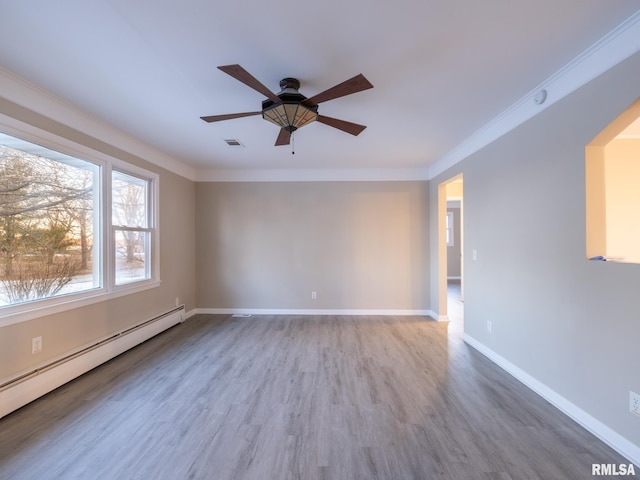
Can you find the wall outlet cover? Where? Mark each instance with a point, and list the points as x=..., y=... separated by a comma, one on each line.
x=634, y=403
x=36, y=345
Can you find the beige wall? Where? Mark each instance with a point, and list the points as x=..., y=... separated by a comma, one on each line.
x=359, y=245
x=622, y=187
x=64, y=332
x=612, y=199
x=595, y=201
x=455, y=189
x=570, y=324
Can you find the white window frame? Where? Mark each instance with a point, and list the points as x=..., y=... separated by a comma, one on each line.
x=152, y=222
x=450, y=229
x=107, y=289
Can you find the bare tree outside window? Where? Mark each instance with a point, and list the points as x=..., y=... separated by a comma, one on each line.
x=46, y=225
x=131, y=223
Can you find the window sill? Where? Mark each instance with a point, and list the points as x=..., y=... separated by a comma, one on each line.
x=60, y=304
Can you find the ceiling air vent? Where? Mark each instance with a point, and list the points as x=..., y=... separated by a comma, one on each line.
x=233, y=142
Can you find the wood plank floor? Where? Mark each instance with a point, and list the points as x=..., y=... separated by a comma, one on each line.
x=297, y=397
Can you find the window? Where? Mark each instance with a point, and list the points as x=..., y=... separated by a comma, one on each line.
x=52, y=227
x=132, y=223
x=449, y=229
x=48, y=206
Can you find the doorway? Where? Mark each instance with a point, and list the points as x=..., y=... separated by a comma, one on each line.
x=451, y=248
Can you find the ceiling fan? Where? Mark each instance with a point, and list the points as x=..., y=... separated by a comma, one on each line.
x=289, y=109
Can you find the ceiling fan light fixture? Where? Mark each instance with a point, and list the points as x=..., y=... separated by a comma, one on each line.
x=291, y=110
x=290, y=116
x=289, y=113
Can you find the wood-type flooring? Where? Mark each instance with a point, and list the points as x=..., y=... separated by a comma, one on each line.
x=297, y=397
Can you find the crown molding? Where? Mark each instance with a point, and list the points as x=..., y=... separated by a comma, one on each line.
x=27, y=95
x=615, y=47
x=313, y=175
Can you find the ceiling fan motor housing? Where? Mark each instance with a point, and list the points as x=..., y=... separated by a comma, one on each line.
x=289, y=113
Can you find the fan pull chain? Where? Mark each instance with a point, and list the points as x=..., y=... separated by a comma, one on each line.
x=292, y=144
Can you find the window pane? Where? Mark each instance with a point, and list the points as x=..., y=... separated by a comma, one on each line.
x=449, y=218
x=132, y=233
x=132, y=251
x=48, y=223
x=129, y=200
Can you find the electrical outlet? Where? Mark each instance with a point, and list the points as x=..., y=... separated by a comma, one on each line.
x=474, y=254
x=314, y=295
x=634, y=403
x=489, y=326
x=36, y=345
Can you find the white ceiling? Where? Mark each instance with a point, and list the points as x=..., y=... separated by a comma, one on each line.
x=441, y=69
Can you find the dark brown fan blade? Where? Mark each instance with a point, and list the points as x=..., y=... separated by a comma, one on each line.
x=229, y=116
x=284, y=137
x=240, y=74
x=352, y=128
x=353, y=85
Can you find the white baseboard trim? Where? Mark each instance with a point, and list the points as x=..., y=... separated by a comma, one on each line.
x=30, y=385
x=616, y=441
x=311, y=311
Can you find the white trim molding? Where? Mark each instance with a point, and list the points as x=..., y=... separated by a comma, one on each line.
x=29, y=385
x=613, y=48
x=311, y=311
x=313, y=175
x=27, y=95
x=616, y=441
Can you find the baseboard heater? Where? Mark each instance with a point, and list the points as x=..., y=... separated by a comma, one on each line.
x=30, y=385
